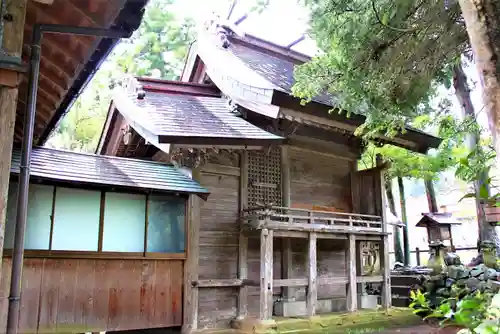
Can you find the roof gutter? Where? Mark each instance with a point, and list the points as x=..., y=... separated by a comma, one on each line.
x=128, y=20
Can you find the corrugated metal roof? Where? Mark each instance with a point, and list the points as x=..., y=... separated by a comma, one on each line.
x=94, y=169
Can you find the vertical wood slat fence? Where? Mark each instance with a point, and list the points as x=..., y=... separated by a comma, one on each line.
x=418, y=252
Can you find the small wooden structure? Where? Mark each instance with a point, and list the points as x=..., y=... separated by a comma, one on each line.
x=438, y=225
x=105, y=243
x=289, y=215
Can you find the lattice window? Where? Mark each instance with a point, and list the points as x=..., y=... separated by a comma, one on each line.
x=264, y=177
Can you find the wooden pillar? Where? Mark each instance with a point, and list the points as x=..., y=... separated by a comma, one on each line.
x=243, y=238
x=286, y=245
x=352, y=293
x=266, y=273
x=312, y=286
x=190, y=306
x=13, y=44
x=384, y=250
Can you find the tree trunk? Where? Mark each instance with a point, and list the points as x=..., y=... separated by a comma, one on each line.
x=12, y=43
x=402, y=202
x=398, y=251
x=462, y=91
x=482, y=19
x=431, y=196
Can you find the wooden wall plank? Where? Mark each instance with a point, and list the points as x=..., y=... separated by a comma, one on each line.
x=66, y=303
x=243, y=238
x=80, y=295
x=4, y=291
x=147, y=297
x=30, y=298
x=85, y=291
x=49, y=295
x=102, y=285
x=115, y=294
x=219, y=247
x=319, y=180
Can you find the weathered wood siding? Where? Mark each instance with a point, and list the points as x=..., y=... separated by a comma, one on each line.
x=319, y=179
x=366, y=191
x=91, y=295
x=322, y=180
x=316, y=179
x=218, y=244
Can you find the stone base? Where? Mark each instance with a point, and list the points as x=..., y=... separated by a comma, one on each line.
x=363, y=321
x=369, y=302
x=299, y=308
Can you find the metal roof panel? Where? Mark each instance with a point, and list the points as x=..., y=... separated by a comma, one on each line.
x=66, y=166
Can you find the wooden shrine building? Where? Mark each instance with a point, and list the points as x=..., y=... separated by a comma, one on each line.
x=289, y=216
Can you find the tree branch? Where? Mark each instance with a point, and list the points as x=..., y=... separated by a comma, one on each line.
x=388, y=26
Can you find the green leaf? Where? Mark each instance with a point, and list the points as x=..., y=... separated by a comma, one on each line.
x=483, y=191
x=469, y=195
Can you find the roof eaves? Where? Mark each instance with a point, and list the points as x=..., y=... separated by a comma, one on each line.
x=128, y=19
x=422, y=141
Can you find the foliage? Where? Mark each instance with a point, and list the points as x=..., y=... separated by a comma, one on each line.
x=157, y=49
x=478, y=312
x=410, y=165
x=384, y=59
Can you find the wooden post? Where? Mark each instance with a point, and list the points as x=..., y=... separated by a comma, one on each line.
x=352, y=293
x=13, y=44
x=243, y=239
x=190, y=306
x=417, y=254
x=384, y=251
x=312, y=286
x=266, y=273
x=286, y=246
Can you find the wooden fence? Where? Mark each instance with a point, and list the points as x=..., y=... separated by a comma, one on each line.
x=418, y=252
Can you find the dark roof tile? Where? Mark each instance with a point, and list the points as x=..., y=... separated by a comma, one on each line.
x=195, y=116
x=276, y=70
x=66, y=166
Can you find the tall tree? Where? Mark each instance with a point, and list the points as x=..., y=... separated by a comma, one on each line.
x=404, y=218
x=481, y=183
x=482, y=18
x=398, y=248
x=387, y=59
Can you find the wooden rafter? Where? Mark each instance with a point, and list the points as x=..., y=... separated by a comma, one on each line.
x=55, y=15
x=48, y=64
x=51, y=45
x=90, y=18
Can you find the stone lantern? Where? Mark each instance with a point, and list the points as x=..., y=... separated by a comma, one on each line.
x=438, y=226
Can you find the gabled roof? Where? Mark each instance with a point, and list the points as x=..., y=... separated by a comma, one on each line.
x=100, y=170
x=277, y=68
x=191, y=116
x=437, y=218
x=259, y=76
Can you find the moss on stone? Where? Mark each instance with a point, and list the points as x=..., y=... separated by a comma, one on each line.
x=349, y=322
